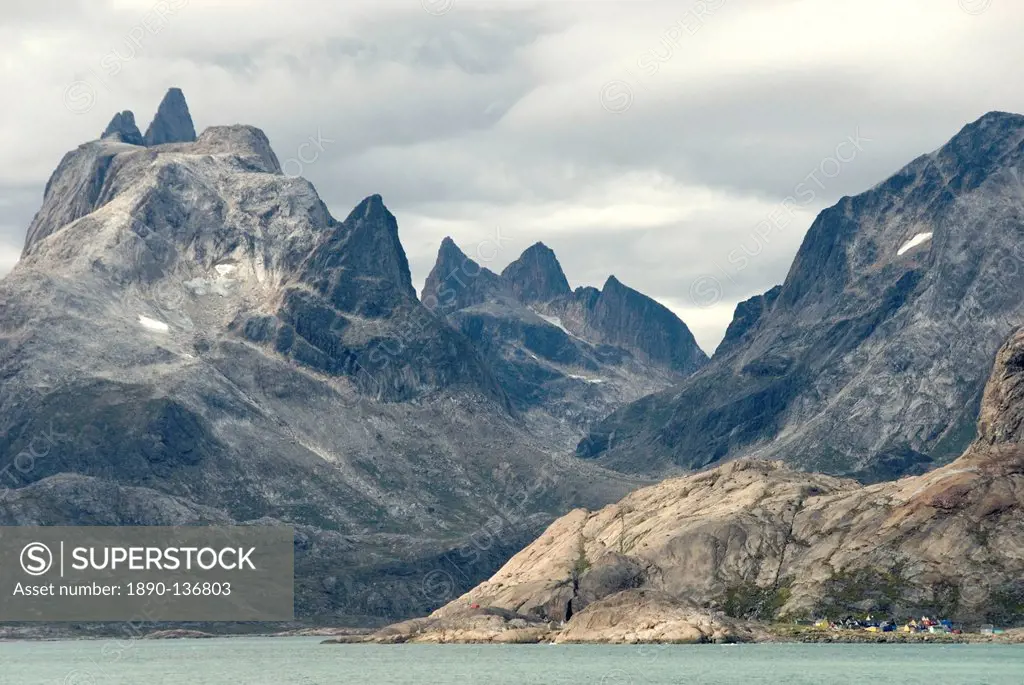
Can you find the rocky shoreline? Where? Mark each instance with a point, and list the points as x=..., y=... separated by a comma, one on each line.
x=652, y=623
x=490, y=626
x=770, y=635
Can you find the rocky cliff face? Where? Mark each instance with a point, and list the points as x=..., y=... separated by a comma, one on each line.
x=191, y=337
x=565, y=359
x=1001, y=420
x=746, y=319
x=871, y=358
x=536, y=276
x=621, y=316
x=457, y=282
x=759, y=540
x=172, y=123
x=123, y=127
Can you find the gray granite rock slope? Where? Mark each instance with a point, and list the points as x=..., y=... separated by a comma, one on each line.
x=191, y=337
x=564, y=358
x=871, y=357
x=759, y=539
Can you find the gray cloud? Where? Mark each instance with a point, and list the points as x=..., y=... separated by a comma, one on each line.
x=18, y=204
x=485, y=116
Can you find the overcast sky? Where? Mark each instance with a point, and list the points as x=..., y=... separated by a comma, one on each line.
x=654, y=140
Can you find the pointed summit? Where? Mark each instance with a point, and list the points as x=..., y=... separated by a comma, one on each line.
x=536, y=276
x=172, y=123
x=448, y=247
x=451, y=256
x=981, y=148
x=624, y=316
x=371, y=209
x=361, y=265
x=456, y=281
x=840, y=369
x=376, y=249
x=994, y=124
x=613, y=283
x=123, y=126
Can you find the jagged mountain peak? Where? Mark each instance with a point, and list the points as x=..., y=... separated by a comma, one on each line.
x=993, y=122
x=566, y=358
x=450, y=255
x=373, y=247
x=540, y=252
x=361, y=265
x=614, y=287
x=536, y=276
x=99, y=172
x=172, y=123
x=891, y=228
x=457, y=281
x=449, y=248
x=122, y=125
x=371, y=208
x=992, y=133
x=371, y=217
x=982, y=148
x=997, y=114
x=872, y=358
x=621, y=315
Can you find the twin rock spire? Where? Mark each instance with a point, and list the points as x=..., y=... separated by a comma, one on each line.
x=172, y=123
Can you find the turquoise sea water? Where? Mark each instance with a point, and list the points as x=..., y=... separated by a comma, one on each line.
x=303, y=661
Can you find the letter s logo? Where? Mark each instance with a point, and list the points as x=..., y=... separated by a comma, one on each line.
x=36, y=559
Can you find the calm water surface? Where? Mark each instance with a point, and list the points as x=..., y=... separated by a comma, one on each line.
x=303, y=661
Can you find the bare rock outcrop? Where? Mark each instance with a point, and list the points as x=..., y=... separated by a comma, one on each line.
x=122, y=127
x=172, y=123
x=536, y=276
x=626, y=617
x=759, y=540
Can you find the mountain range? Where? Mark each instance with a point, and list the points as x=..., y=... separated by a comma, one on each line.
x=871, y=357
x=565, y=358
x=191, y=337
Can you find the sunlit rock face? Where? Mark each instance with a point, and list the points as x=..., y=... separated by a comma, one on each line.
x=191, y=337
x=758, y=539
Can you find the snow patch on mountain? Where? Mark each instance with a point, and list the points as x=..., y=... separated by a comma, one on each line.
x=554, y=321
x=585, y=379
x=914, y=242
x=153, y=324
